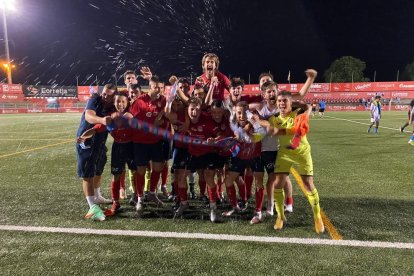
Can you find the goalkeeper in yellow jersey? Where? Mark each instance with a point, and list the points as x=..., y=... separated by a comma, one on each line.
x=291, y=126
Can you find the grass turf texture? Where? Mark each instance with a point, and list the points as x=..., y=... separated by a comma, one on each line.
x=363, y=179
x=98, y=255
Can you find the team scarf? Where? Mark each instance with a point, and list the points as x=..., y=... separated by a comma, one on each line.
x=227, y=144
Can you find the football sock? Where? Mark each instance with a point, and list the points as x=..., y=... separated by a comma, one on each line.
x=279, y=197
x=115, y=186
x=164, y=175
x=248, y=180
x=131, y=181
x=139, y=184
x=259, y=197
x=313, y=198
x=289, y=200
x=212, y=193
x=147, y=180
x=90, y=200
x=155, y=177
x=203, y=187
x=97, y=192
x=122, y=180
x=182, y=194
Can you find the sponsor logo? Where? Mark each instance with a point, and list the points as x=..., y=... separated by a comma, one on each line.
x=336, y=87
x=385, y=85
x=10, y=111
x=200, y=128
x=148, y=114
x=35, y=110
x=340, y=107
x=54, y=91
x=32, y=90
x=348, y=94
x=402, y=107
x=400, y=94
x=67, y=110
x=11, y=97
x=362, y=86
x=406, y=85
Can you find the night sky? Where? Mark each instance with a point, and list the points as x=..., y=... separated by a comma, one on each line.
x=55, y=41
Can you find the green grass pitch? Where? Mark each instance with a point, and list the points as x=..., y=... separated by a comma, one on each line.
x=365, y=183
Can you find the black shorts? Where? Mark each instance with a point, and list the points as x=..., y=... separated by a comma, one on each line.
x=180, y=158
x=210, y=161
x=166, y=149
x=268, y=159
x=91, y=161
x=321, y=110
x=122, y=153
x=143, y=153
x=313, y=109
x=240, y=165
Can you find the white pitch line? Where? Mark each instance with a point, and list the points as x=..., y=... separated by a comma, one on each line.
x=224, y=237
x=356, y=122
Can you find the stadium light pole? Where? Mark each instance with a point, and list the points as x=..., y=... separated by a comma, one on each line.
x=7, y=5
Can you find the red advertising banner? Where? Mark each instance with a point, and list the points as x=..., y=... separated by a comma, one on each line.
x=87, y=90
x=11, y=97
x=83, y=98
x=406, y=85
x=352, y=87
x=358, y=90
x=360, y=95
x=343, y=87
x=11, y=89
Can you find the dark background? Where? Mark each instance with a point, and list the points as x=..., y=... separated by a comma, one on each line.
x=60, y=41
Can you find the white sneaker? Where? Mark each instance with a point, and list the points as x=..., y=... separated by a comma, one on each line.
x=102, y=200
x=258, y=218
x=183, y=206
x=139, y=207
x=231, y=212
x=213, y=213
x=289, y=208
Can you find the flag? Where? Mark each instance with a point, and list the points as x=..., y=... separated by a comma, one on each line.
x=288, y=78
x=229, y=146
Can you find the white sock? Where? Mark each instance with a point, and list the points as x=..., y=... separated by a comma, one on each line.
x=90, y=200
x=191, y=178
x=97, y=192
x=140, y=199
x=270, y=206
